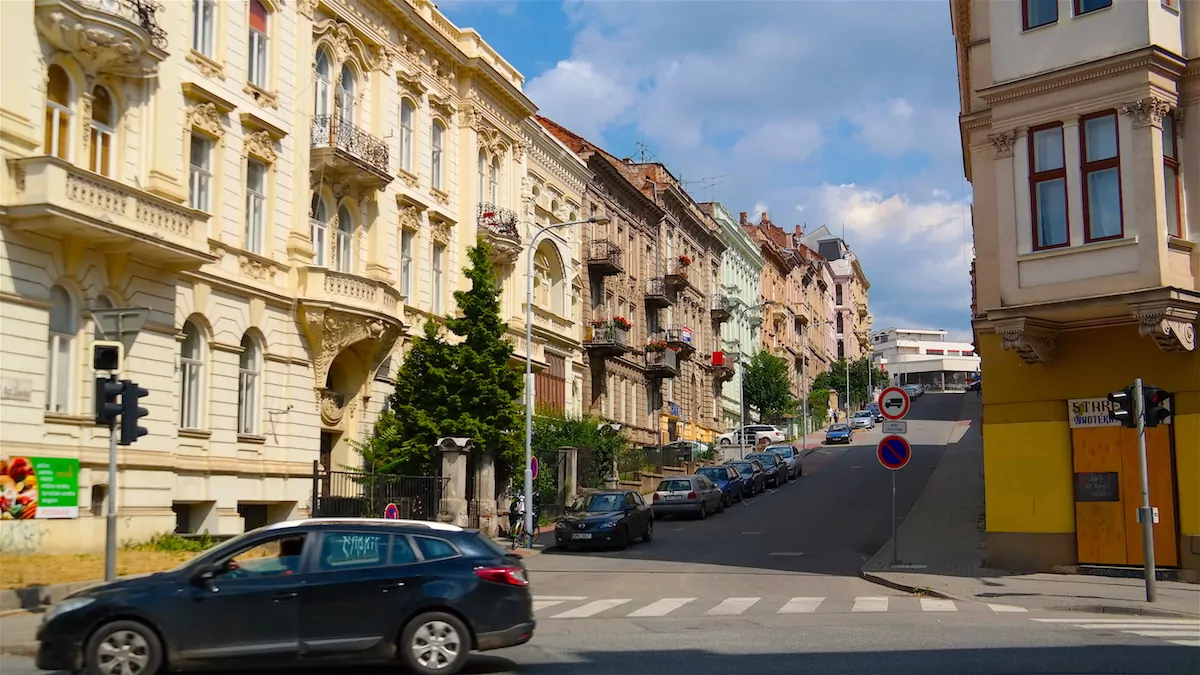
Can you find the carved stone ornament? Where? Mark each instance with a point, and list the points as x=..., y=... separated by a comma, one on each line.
x=470, y=116
x=256, y=269
x=519, y=151
x=441, y=232
x=335, y=406
x=330, y=331
x=1149, y=111
x=306, y=7
x=411, y=80
x=206, y=118
x=207, y=67
x=102, y=41
x=348, y=46
x=1033, y=340
x=1173, y=328
x=409, y=218
x=260, y=144
x=490, y=139
x=85, y=119
x=1003, y=142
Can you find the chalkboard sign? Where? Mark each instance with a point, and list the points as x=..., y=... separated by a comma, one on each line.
x=1103, y=486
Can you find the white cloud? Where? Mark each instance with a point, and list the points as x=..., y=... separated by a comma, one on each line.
x=894, y=127
x=591, y=99
x=782, y=141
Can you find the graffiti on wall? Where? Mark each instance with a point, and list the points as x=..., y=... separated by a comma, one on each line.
x=22, y=537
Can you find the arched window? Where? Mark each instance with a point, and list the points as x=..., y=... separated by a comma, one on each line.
x=319, y=220
x=104, y=131
x=406, y=135
x=435, y=154
x=494, y=182
x=323, y=83
x=256, y=68
x=548, y=278
x=60, y=367
x=192, y=354
x=541, y=279
x=344, y=248
x=483, y=165
x=249, y=369
x=59, y=95
x=345, y=95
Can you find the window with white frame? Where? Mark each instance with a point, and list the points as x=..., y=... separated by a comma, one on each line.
x=319, y=221
x=256, y=68
x=1171, y=184
x=344, y=246
x=439, y=251
x=494, y=182
x=542, y=282
x=204, y=26
x=59, y=113
x=345, y=95
x=200, y=160
x=103, y=132
x=407, y=113
x=435, y=154
x=249, y=372
x=1101, y=178
x=256, y=205
x=406, y=262
x=1048, y=187
x=322, y=83
x=191, y=377
x=483, y=166
x=60, y=351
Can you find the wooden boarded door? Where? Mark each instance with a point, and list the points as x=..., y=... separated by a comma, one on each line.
x=1108, y=493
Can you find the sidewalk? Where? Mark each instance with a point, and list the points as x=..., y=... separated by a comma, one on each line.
x=942, y=540
x=18, y=632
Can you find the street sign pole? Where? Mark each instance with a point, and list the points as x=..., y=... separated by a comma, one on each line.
x=895, y=542
x=1146, y=513
x=110, y=518
x=894, y=453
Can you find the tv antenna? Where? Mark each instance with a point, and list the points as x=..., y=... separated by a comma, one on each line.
x=706, y=186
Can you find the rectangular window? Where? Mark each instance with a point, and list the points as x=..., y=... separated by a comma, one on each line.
x=190, y=392
x=1101, y=178
x=256, y=69
x=1171, y=185
x=838, y=295
x=60, y=372
x=200, y=173
x=1085, y=6
x=248, y=401
x=438, y=290
x=1038, y=13
x=1048, y=187
x=256, y=205
x=203, y=29
x=550, y=387
x=406, y=245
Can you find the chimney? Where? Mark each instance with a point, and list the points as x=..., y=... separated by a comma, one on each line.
x=742, y=218
x=766, y=218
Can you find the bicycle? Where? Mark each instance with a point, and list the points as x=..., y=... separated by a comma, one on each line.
x=515, y=533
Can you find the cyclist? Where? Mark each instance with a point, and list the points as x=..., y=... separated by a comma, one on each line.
x=516, y=516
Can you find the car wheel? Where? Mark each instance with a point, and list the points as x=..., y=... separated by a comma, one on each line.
x=721, y=504
x=723, y=441
x=435, y=642
x=123, y=647
x=649, y=531
x=703, y=510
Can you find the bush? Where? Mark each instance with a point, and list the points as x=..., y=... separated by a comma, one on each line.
x=174, y=543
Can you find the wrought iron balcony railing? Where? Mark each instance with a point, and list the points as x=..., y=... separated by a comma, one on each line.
x=330, y=131
x=498, y=220
x=604, y=257
x=142, y=12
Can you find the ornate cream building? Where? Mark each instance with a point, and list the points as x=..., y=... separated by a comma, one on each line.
x=290, y=189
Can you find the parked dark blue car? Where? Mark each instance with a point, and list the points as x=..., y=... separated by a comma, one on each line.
x=838, y=433
x=728, y=479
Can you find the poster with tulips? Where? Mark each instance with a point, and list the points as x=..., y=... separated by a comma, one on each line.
x=39, y=487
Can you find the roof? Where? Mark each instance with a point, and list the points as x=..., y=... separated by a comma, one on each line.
x=379, y=522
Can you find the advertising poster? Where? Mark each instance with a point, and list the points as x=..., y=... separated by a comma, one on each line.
x=39, y=487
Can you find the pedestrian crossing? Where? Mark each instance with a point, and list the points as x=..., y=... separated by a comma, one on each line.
x=583, y=607
x=1182, y=632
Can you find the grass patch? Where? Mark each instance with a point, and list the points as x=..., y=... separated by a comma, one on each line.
x=161, y=552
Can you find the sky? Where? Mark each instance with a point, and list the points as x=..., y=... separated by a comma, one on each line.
x=835, y=112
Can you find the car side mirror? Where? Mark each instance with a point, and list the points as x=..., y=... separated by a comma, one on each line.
x=204, y=577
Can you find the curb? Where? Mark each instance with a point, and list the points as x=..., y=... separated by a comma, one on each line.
x=37, y=597
x=918, y=590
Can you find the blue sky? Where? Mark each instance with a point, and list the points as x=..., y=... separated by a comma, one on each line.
x=838, y=112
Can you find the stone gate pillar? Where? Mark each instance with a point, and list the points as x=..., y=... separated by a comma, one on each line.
x=453, y=506
x=485, y=493
x=568, y=474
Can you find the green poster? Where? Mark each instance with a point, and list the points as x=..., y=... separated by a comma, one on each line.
x=39, y=487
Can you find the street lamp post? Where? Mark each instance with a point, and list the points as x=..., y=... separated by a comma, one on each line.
x=529, y=363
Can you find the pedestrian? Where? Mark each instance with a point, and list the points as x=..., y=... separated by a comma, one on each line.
x=516, y=511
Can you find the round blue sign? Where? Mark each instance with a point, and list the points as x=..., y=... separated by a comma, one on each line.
x=894, y=452
x=391, y=512
x=534, y=465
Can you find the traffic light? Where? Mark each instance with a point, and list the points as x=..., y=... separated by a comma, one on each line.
x=107, y=407
x=1156, y=405
x=107, y=356
x=131, y=412
x=1122, y=410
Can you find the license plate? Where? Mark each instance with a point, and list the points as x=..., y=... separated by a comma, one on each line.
x=581, y=535
x=674, y=498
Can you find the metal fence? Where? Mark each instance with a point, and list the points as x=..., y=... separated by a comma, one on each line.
x=356, y=494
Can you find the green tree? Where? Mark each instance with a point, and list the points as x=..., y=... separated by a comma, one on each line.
x=818, y=404
x=834, y=379
x=768, y=386
x=553, y=430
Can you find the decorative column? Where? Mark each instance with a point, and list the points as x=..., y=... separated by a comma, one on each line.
x=452, y=508
x=1142, y=178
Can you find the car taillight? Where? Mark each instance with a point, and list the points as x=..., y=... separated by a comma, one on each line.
x=655, y=496
x=512, y=576
x=691, y=495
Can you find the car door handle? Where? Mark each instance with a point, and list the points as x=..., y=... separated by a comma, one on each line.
x=389, y=585
x=288, y=595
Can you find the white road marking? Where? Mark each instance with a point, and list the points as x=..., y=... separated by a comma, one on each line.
x=793, y=554
x=1132, y=625
x=870, y=604
x=661, y=607
x=1185, y=643
x=1164, y=633
x=590, y=609
x=1007, y=608
x=1088, y=620
x=801, y=606
x=937, y=605
x=560, y=597
x=539, y=605
x=730, y=606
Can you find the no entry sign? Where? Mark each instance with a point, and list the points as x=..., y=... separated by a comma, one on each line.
x=894, y=452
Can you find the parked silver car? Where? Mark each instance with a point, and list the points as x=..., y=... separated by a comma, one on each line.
x=863, y=419
x=791, y=457
x=687, y=495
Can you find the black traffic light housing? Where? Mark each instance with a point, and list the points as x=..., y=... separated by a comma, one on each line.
x=108, y=408
x=131, y=412
x=107, y=356
x=1156, y=405
x=1122, y=411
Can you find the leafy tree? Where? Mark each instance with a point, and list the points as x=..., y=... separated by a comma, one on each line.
x=553, y=430
x=768, y=386
x=818, y=404
x=834, y=379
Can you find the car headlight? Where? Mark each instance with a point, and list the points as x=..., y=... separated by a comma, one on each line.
x=68, y=605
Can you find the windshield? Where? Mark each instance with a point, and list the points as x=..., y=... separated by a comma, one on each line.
x=714, y=473
x=838, y=427
x=675, y=486
x=862, y=413
x=765, y=458
x=744, y=468
x=600, y=503
x=784, y=450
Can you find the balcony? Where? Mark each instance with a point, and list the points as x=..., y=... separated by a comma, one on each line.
x=661, y=360
x=656, y=293
x=722, y=366
x=344, y=153
x=607, y=337
x=677, y=276
x=604, y=258
x=53, y=197
x=680, y=338
x=111, y=37
x=719, y=307
x=499, y=227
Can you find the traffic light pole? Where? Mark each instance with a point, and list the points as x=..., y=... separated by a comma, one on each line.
x=110, y=519
x=1147, y=514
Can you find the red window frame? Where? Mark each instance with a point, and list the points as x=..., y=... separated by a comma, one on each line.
x=1087, y=167
x=550, y=387
x=1052, y=174
x=1079, y=11
x=1171, y=170
x=1025, y=25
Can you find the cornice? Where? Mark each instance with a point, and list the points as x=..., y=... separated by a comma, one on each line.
x=610, y=183
x=1153, y=58
x=565, y=166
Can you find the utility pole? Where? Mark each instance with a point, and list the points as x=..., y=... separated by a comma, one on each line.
x=1147, y=513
